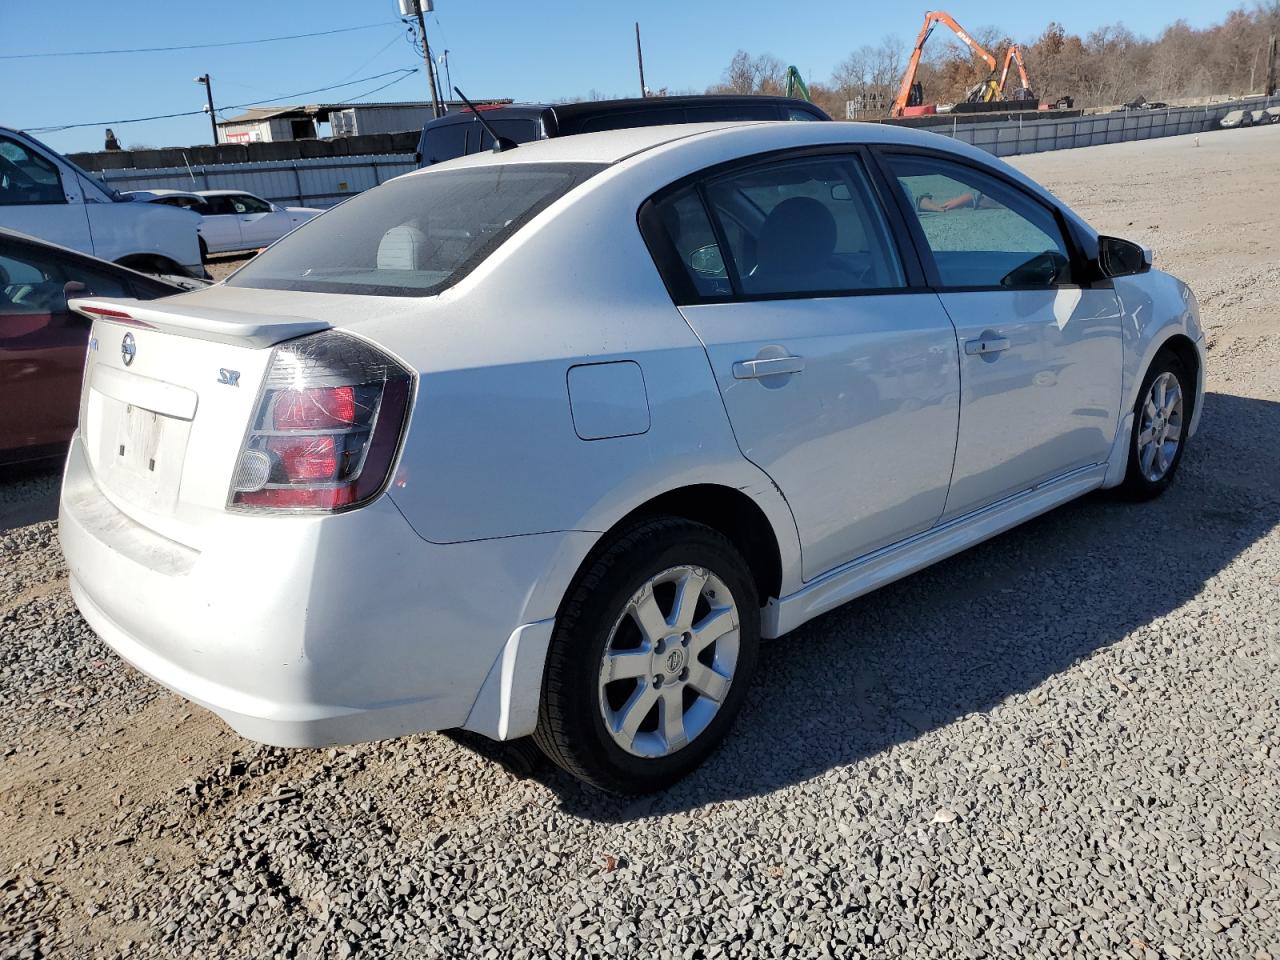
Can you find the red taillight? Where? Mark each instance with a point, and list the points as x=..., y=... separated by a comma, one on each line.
x=328, y=424
x=315, y=408
x=303, y=459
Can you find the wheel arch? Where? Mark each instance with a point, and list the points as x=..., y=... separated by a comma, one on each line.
x=151, y=263
x=727, y=510
x=507, y=705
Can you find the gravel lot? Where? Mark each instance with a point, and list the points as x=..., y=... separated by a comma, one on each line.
x=1059, y=744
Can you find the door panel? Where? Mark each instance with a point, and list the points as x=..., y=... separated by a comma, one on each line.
x=34, y=198
x=1048, y=403
x=1040, y=355
x=840, y=381
x=861, y=440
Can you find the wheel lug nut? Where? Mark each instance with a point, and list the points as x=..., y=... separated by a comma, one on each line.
x=657, y=680
x=684, y=674
x=684, y=641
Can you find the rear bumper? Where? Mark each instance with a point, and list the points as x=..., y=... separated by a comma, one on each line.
x=312, y=631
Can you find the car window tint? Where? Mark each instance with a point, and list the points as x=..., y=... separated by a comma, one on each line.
x=635, y=118
x=794, y=113
x=982, y=232
x=219, y=205
x=32, y=282
x=805, y=226
x=685, y=221
x=413, y=236
x=517, y=131
x=715, y=112
x=444, y=142
x=26, y=177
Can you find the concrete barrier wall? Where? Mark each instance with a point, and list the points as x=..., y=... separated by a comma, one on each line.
x=319, y=182
x=324, y=181
x=1007, y=138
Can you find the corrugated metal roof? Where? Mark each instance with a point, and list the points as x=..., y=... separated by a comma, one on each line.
x=258, y=114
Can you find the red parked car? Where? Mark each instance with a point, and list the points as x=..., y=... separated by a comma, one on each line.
x=42, y=343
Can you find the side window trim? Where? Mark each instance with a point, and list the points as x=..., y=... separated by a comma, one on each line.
x=676, y=279
x=881, y=153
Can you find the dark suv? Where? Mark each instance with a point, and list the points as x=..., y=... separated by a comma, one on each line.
x=461, y=133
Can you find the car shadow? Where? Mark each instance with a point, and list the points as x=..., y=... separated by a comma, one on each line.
x=29, y=493
x=970, y=632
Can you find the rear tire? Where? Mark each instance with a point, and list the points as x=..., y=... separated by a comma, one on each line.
x=632, y=708
x=1159, y=436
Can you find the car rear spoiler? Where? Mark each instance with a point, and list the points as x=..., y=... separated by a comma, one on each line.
x=202, y=323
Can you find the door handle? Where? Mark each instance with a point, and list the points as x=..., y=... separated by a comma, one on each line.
x=986, y=345
x=773, y=367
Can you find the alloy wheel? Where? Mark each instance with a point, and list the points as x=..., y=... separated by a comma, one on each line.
x=1160, y=430
x=669, y=662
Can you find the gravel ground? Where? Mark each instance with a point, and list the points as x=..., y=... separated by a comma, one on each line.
x=1061, y=743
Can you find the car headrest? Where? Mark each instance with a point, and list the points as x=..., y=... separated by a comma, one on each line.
x=402, y=248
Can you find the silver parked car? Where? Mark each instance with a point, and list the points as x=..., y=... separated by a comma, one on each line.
x=546, y=441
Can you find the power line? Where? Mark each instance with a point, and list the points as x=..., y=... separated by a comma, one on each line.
x=190, y=46
x=403, y=71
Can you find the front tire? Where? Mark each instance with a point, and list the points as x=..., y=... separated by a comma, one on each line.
x=652, y=653
x=1160, y=419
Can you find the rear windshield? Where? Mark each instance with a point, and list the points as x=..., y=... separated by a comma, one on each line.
x=414, y=236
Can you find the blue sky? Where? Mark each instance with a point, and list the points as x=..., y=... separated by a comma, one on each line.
x=498, y=48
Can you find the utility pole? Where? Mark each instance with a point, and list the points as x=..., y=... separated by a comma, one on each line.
x=426, y=55
x=208, y=91
x=448, y=77
x=640, y=61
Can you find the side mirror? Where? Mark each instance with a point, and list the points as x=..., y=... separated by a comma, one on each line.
x=1122, y=258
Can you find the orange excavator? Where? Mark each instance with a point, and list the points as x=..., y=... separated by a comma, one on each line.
x=911, y=96
x=1014, y=55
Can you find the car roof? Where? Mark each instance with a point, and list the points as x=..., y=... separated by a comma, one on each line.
x=163, y=192
x=567, y=113
x=223, y=193
x=613, y=146
x=592, y=108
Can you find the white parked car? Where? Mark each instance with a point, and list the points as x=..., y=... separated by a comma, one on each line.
x=1236, y=118
x=545, y=441
x=232, y=219
x=45, y=195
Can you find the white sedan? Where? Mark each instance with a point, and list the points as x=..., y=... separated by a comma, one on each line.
x=545, y=441
x=231, y=219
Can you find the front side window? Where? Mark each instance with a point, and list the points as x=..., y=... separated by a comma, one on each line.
x=981, y=231
x=414, y=236
x=804, y=226
x=26, y=177
x=244, y=203
x=219, y=205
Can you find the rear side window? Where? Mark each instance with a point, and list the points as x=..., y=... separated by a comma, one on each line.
x=981, y=231
x=444, y=142
x=414, y=236
x=625, y=121
x=804, y=226
x=219, y=205
x=718, y=112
